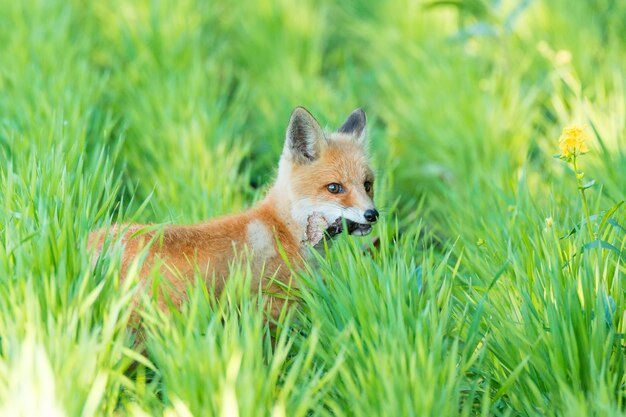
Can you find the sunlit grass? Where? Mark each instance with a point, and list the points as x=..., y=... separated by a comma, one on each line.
x=494, y=290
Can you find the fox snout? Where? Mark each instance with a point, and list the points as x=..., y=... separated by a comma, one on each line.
x=371, y=215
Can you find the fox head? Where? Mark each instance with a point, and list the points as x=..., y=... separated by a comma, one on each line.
x=328, y=173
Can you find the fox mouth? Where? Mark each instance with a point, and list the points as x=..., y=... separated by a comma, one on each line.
x=354, y=228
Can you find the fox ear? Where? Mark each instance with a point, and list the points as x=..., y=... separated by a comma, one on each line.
x=355, y=125
x=305, y=138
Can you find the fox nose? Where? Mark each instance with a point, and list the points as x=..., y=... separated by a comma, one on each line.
x=371, y=215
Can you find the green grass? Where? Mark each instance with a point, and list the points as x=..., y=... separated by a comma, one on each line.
x=175, y=111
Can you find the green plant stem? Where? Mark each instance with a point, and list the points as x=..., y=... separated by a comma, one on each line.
x=579, y=182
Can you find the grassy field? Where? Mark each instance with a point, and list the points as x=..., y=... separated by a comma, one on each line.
x=494, y=291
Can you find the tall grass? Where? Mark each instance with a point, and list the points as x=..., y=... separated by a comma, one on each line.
x=486, y=294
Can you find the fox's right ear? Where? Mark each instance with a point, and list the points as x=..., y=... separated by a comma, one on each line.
x=355, y=125
x=305, y=138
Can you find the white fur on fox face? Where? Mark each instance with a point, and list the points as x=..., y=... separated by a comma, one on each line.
x=303, y=208
x=359, y=232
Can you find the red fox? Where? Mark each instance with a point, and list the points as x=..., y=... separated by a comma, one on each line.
x=324, y=183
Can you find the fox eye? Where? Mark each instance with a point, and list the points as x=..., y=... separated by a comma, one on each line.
x=368, y=186
x=334, y=188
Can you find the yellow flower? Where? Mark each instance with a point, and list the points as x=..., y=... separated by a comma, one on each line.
x=572, y=141
x=549, y=222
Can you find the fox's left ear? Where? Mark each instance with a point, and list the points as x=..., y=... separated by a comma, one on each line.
x=355, y=125
x=305, y=137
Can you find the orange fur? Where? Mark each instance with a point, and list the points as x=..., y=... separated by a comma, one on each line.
x=181, y=250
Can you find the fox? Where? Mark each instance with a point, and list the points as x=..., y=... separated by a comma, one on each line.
x=324, y=184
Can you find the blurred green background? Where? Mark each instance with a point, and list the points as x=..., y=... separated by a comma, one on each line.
x=175, y=111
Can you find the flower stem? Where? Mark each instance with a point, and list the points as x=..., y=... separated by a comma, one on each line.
x=579, y=182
